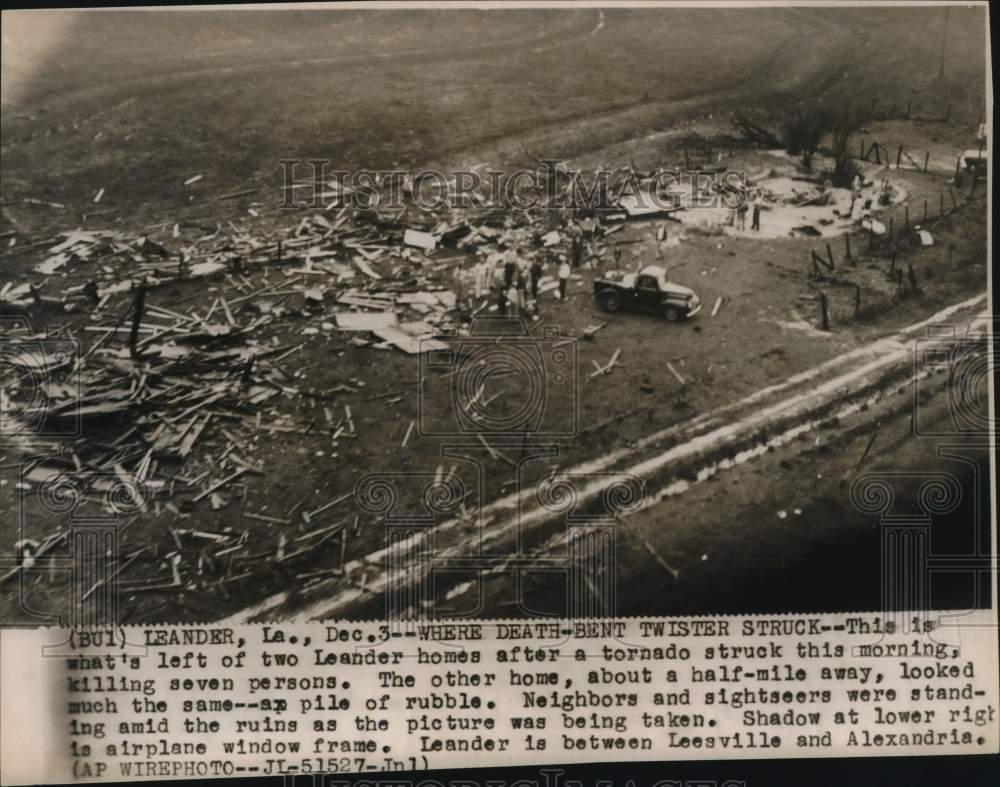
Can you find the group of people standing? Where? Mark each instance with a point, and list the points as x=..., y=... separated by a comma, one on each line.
x=514, y=279
x=750, y=201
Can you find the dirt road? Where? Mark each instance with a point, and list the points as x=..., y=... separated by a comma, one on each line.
x=696, y=451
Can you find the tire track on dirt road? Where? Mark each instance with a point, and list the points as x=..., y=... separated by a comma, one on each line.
x=730, y=434
x=683, y=105
x=418, y=55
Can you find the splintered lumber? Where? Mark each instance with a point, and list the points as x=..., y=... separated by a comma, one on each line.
x=718, y=304
x=675, y=373
x=364, y=321
x=606, y=369
x=409, y=431
x=235, y=194
x=307, y=516
x=408, y=344
x=219, y=484
x=494, y=454
x=187, y=442
x=264, y=518
x=868, y=447
x=365, y=268
x=49, y=543
x=421, y=240
x=138, y=308
x=652, y=551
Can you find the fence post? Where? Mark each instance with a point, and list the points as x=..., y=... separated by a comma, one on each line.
x=899, y=156
x=824, y=317
x=927, y=158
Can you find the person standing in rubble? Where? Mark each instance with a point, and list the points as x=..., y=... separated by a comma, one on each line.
x=885, y=193
x=495, y=259
x=563, y=278
x=499, y=291
x=521, y=285
x=536, y=274
x=576, y=250
x=479, y=274
x=513, y=301
x=757, y=202
x=509, y=267
x=741, y=213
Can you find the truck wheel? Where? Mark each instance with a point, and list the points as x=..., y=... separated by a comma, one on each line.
x=672, y=313
x=610, y=302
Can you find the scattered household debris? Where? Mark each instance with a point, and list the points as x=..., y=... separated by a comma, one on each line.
x=611, y=364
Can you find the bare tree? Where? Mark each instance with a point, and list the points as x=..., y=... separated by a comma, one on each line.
x=847, y=118
x=752, y=125
x=803, y=128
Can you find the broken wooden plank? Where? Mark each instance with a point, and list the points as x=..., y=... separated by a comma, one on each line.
x=219, y=484
x=676, y=374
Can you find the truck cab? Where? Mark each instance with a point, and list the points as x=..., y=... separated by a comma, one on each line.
x=647, y=291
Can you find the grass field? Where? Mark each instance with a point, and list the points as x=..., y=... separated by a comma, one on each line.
x=135, y=103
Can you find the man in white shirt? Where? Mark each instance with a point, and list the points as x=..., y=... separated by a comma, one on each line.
x=563, y=278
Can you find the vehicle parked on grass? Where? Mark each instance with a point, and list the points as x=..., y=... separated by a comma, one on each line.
x=646, y=291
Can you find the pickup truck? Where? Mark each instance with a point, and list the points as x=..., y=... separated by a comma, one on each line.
x=646, y=291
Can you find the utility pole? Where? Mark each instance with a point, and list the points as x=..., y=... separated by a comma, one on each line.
x=944, y=41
